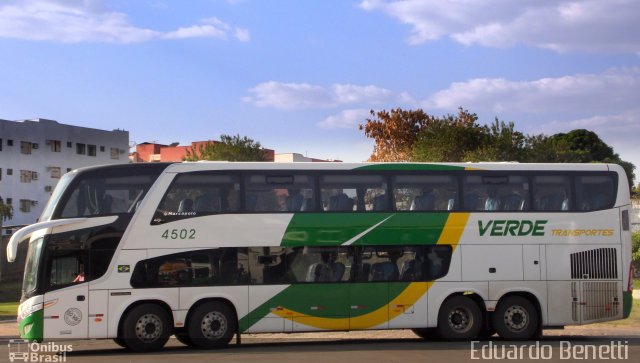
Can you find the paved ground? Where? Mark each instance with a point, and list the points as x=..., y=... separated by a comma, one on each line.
x=377, y=349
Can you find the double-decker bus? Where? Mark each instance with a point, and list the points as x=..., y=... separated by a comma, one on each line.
x=208, y=250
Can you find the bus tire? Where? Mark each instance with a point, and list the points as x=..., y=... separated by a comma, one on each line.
x=516, y=318
x=146, y=328
x=120, y=342
x=184, y=339
x=459, y=318
x=212, y=325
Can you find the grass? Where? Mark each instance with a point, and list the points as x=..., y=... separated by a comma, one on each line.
x=8, y=310
x=636, y=284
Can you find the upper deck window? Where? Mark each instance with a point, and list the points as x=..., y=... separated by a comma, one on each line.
x=353, y=193
x=595, y=192
x=98, y=194
x=279, y=193
x=425, y=192
x=196, y=194
x=496, y=193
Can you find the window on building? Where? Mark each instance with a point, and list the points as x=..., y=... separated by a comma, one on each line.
x=26, y=176
x=69, y=144
x=25, y=147
x=0, y=173
x=115, y=153
x=9, y=171
x=91, y=150
x=81, y=149
x=34, y=175
x=101, y=149
x=9, y=201
x=68, y=170
x=56, y=145
x=25, y=205
x=9, y=142
x=55, y=172
x=0, y=144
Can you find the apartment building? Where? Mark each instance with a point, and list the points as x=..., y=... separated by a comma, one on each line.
x=34, y=154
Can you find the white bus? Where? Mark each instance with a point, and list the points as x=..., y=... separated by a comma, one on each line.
x=208, y=250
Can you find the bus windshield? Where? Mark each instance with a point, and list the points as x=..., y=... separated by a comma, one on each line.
x=31, y=266
x=55, y=197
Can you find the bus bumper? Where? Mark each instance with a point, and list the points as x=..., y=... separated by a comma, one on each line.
x=31, y=319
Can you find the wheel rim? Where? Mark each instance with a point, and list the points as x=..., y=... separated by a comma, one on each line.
x=148, y=327
x=213, y=325
x=460, y=320
x=516, y=318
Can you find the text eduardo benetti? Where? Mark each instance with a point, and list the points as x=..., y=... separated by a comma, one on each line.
x=565, y=350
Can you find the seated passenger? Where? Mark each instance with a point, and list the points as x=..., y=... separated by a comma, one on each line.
x=340, y=202
x=424, y=201
x=294, y=200
x=380, y=203
x=492, y=202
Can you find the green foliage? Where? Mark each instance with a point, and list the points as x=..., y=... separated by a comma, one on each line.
x=635, y=246
x=229, y=148
x=414, y=135
x=6, y=211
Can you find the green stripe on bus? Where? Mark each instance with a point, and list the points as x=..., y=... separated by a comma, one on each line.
x=627, y=304
x=408, y=166
x=36, y=323
x=334, y=229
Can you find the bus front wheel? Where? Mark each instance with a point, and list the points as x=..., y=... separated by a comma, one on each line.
x=146, y=328
x=459, y=318
x=212, y=325
x=516, y=318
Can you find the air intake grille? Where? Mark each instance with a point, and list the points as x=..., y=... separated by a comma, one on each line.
x=600, y=300
x=595, y=264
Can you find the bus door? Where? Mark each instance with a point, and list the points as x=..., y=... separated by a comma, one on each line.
x=66, y=304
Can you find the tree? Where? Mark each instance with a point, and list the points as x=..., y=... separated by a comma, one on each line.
x=394, y=132
x=229, y=148
x=450, y=138
x=6, y=213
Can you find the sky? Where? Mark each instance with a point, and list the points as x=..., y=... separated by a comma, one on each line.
x=300, y=76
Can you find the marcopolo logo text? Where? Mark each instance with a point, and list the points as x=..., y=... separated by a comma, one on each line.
x=511, y=227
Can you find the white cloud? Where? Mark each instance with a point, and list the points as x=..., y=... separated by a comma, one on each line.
x=606, y=103
x=583, y=94
x=89, y=21
x=242, y=34
x=561, y=25
x=346, y=119
x=290, y=96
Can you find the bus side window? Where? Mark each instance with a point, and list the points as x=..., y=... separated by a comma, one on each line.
x=279, y=193
x=496, y=192
x=346, y=193
x=594, y=192
x=425, y=192
x=551, y=193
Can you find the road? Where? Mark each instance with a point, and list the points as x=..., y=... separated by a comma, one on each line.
x=311, y=350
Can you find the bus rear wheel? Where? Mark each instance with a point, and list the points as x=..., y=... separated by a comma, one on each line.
x=146, y=328
x=459, y=318
x=212, y=325
x=516, y=318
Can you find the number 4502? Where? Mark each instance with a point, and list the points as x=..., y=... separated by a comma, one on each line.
x=179, y=234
